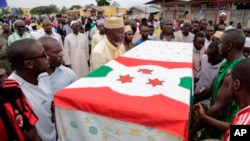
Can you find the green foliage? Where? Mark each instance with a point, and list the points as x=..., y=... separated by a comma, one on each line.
x=75, y=7
x=63, y=10
x=103, y=2
x=45, y=10
x=4, y=11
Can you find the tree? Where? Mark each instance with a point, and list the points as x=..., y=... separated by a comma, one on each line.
x=75, y=7
x=44, y=10
x=103, y=2
x=115, y=3
x=20, y=11
x=64, y=8
x=4, y=11
x=87, y=5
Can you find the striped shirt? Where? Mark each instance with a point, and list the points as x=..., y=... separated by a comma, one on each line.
x=241, y=118
x=16, y=115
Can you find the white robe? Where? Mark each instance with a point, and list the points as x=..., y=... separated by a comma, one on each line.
x=76, y=53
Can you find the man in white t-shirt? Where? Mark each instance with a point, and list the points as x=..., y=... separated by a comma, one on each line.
x=30, y=61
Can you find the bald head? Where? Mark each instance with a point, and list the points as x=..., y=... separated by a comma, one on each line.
x=236, y=37
x=241, y=72
x=46, y=41
x=19, y=51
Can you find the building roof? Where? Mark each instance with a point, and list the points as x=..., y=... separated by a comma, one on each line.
x=99, y=9
x=148, y=9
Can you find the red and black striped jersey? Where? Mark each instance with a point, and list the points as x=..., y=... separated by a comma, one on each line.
x=16, y=115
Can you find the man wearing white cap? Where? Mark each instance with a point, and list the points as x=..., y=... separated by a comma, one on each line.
x=222, y=19
x=76, y=51
x=19, y=33
x=111, y=46
x=246, y=50
x=128, y=38
x=100, y=35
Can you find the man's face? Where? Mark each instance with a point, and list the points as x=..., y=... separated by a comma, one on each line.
x=246, y=51
x=186, y=28
x=151, y=31
x=6, y=27
x=75, y=27
x=213, y=56
x=129, y=36
x=117, y=36
x=168, y=26
x=101, y=28
x=47, y=26
x=196, y=26
x=209, y=32
x=199, y=42
x=144, y=31
x=55, y=54
x=38, y=58
x=222, y=18
x=20, y=27
x=246, y=30
x=203, y=24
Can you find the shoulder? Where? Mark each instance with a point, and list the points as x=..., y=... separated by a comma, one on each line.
x=10, y=83
x=100, y=47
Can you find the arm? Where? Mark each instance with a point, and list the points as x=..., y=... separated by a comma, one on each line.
x=220, y=125
x=223, y=99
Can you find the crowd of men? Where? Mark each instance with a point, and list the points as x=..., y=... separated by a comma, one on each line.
x=39, y=57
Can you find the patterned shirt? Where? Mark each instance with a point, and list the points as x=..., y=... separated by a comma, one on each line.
x=16, y=115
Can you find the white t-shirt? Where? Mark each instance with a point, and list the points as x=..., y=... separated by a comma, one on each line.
x=40, y=98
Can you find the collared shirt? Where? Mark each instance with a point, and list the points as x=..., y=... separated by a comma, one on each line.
x=96, y=39
x=40, y=98
x=140, y=41
x=104, y=52
x=197, y=54
x=176, y=37
x=15, y=37
x=206, y=75
x=66, y=75
x=41, y=33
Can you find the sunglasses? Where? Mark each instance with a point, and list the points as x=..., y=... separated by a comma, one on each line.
x=43, y=55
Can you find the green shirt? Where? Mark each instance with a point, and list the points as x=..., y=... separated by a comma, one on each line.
x=228, y=113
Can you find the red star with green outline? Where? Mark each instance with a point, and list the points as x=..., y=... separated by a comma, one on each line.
x=125, y=78
x=155, y=82
x=145, y=71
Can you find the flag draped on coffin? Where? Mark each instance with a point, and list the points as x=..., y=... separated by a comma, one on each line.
x=149, y=85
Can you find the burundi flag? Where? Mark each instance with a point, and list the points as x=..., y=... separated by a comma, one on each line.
x=144, y=87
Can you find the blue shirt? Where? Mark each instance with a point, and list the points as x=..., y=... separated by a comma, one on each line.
x=61, y=78
x=140, y=41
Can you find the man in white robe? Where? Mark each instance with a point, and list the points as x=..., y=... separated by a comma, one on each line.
x=76, y=51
